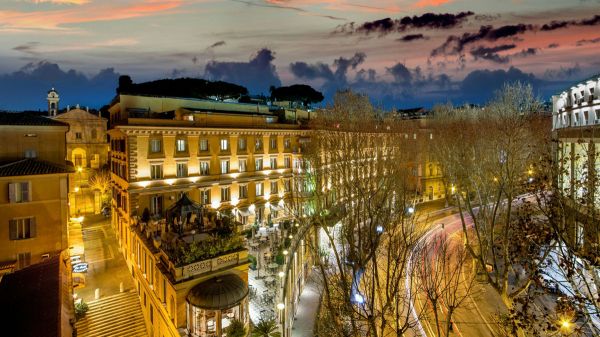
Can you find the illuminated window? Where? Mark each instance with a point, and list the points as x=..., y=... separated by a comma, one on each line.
x=156, y=171
x=155, y=145
x=224, y=144
x=259, y=189
x=242, y=144
x=242, y=165
x=273, y=162
x=204, y=145
x=180, y=145
x=273, y=143
x=258, y=145
x=224, y=166
x=287, y=162
x=225, y=194
x=205, y=196
x=258, y=164
x=243, y=191
x=274, y=187
x=204, y=168
x=182, y=169
x=287, y=143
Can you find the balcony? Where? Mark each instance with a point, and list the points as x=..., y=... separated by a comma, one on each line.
x=191, y=240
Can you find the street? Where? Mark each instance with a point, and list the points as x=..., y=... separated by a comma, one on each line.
x=106, y=266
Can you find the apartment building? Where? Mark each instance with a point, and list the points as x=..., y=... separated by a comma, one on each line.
x=34, y=181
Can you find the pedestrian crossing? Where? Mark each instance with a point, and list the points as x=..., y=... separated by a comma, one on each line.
x=115, y=316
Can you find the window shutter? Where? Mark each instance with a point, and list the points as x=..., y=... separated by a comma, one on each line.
x=12, y=229
x=32, y=227
x=12, y=196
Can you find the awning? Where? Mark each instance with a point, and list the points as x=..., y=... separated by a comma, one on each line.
x=218, y=293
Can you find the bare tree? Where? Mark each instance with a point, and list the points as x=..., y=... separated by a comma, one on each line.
x=488, y=155
x=100, y=181
x=354, y=190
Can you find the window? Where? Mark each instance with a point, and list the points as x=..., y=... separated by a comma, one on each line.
x=287, y=143
x=274, y=186
x=30, y=153
x=182, y=169
x=259, y=189
x=258, y=145
x=156, y=203
x=23, y=228
x=155, y=145
x=273, y=162
x=242, y=144
x=205, y=196
x=78, y=159
x=156, y=171
x=77, y=135
x=286, y=185
x=242, y=165
x=180, y=145
x=287, y=162
x=224, y=166
x=225, y=194
x=204, y=145
x=24, y=260
x=258, y=164
x=243, y=191
x=273, y=143
x=224, y=144
x=204, y=168
x=19, y=192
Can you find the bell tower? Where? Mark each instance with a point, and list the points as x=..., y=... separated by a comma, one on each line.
x=52, y=99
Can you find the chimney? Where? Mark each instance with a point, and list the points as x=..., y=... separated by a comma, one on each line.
x=87, y=109
x=68, y=108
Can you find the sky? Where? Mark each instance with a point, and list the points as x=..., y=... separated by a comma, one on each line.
x=402, y=53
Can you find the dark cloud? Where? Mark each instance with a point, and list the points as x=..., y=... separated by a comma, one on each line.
x=388, y=25
x=217, y=44
x=563, y=73
x=27, y=87
x=479, y=85
x=455, y=44
x=590, y=41
x=28, y=48
x=400, y=73
x=491, y=53
x=334, y=79
x=527, y=52
x=593, y=21
x=412, y=37
x=287, y=7
x=553, y=45
x=257, y=75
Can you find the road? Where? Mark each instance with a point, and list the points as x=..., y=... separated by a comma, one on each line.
x=473, y=318
x=107, y=267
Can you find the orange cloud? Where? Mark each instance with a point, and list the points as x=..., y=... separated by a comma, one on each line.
x=87, y=12
x=431, y=3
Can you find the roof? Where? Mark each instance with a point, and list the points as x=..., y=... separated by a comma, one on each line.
x=218, y=293
x=26, y=118
x=33, y=296
x=77, y=114
x=32, y=166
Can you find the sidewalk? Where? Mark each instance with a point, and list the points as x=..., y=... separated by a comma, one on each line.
x=307, y=308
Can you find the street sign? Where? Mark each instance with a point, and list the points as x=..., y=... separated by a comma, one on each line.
x=81, y=267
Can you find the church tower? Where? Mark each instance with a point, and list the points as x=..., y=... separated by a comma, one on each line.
x=52, y=102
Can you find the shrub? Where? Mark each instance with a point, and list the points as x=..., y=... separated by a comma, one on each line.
x=80, y=309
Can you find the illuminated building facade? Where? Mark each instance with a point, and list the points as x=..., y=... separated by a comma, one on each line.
x=192, y=173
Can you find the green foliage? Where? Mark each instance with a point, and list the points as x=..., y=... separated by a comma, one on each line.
x=252, y=260
x=207, y=249
x=266, y=329
x=81, y=309
x=185, y=87
x=235, y=329
x=297, y=93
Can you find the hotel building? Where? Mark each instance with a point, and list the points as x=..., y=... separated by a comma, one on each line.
x=187, y=176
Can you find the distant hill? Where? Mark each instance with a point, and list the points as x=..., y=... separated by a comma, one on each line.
x=183, y=87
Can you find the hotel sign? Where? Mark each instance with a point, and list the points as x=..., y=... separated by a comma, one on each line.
x=209, y=265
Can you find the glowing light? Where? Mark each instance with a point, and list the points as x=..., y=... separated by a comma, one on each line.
x=291, y=236
x=281, y=274
x=358, y=298
x=453, y=189
x=281, y=203
x=78, y=219
x=281, y=194
x=411, y=210
x=76, y=189
x=234, y=201
x=565, y=324
x=285, y=252
x=215, y=204
x=144, y=184
x=280, y=306
x=267, y=172
x=252, y=208
x=280, y=171
x=170, y=181
x=267, y=204
x=379, y=229
x=193, y=179
x=79, y=169
x=530, y=171
x=267, y=195
x=234, y=175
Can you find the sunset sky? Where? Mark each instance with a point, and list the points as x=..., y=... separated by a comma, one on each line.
x=392, y=50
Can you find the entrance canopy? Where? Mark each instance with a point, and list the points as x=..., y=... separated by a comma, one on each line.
x=218, y=293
